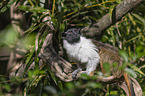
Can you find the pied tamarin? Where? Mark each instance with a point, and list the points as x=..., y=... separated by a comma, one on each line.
x=88, y=53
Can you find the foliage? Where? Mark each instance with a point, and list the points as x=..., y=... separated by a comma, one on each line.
x=127, y=34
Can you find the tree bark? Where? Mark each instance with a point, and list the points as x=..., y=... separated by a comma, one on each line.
x=60, y=67
x=105, y=22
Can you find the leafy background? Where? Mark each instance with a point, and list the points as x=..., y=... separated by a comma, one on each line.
x=128, y=34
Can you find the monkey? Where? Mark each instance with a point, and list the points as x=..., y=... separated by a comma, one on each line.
x=81, y=50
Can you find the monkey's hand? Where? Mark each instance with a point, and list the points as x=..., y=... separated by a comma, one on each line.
x=75, y=72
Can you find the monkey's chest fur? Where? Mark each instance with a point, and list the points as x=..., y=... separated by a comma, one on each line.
x=83, y=51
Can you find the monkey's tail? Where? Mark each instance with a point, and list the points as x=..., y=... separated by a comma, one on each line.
x=131, y=86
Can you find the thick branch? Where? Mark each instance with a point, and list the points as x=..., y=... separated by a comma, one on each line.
x=105, y=22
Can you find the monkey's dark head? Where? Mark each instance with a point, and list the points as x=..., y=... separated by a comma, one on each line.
x=72, y=35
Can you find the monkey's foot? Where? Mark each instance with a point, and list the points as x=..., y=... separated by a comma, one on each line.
x=75, y=72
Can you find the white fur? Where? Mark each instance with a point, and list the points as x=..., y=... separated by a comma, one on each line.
x=85, y=52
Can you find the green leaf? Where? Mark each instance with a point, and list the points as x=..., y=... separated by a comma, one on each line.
x=132, y=38
x=4, y=9
x=118, y=1
x=42, y=3
x=94, y=85
x=52, y=75
x=10, y=3
x=131, y=72
x=33, y=9
x=132, y=20
x=124, y=55
x=30, y=28
x=112, y=93
x=136, y=69
x=7, y=87
x=110, y=11
x=139, y=18
x=140, y=51
x=29, y=60
x=60, y=85
x=1, y=3
x=9, y=36
x=62, y=27
x=33, y=27
x=105, y=38
x=70, y=85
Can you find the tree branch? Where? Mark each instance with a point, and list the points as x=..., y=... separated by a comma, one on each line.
x=105, y=22
x=59, y=66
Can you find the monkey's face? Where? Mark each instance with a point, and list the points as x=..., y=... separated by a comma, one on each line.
x=72, y=35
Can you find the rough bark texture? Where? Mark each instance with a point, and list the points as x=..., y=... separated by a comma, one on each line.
x=118, y=12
